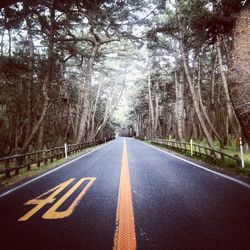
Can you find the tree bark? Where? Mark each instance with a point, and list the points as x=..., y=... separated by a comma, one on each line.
x=189, y=80
x=2, y=41
x=10, y=41
x=179, y=109
x=76, y=121
x=156, y=121
x=94, y=110
x=151, y=108
x=40, y=137
x=86, y=95
x=231, y=115
x=239, y=83
x=213, y=73
x=202, y=105
x=29, y=83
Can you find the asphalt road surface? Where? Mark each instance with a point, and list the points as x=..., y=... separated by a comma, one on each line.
x=127, y=195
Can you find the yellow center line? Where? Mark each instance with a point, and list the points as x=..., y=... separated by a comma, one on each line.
x=125, y=226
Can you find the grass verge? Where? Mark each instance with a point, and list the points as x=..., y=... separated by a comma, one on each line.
x=227, y=165
x=35, y=171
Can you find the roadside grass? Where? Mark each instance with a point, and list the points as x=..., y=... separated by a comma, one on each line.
x=227, y=164
x=231, y=149
x=34, y=170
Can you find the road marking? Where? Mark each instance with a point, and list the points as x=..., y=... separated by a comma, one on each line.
x=51, y=171
x=204, y=168
x=52, y=213
x=125, y=227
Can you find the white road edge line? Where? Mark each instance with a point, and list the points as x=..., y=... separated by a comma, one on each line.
x=204, y=168
x=51, y=171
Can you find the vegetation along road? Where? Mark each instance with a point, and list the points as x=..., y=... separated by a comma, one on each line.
x=127, y=195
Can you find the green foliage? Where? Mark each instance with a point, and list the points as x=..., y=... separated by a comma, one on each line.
x=221, y=19
x=208, y=18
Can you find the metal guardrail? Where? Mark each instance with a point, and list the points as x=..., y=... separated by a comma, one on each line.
x=198, y=149
x=16, y=162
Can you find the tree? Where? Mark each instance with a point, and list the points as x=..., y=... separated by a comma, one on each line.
x=239, y=85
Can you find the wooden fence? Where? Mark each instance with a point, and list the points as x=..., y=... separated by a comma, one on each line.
x=16, y=162
x=199, y=150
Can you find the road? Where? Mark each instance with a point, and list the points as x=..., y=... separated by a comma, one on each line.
x=127, y=195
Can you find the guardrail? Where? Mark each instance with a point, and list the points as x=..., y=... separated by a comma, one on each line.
x=14, y=163
x=197, y=149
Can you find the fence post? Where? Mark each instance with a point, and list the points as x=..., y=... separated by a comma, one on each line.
x=27, y=161
x=7, y=172
x=191, y=147
x=51, y=155
x=66, y=151
x=45, y=156
x=17, y=160
x=38, y=159
x=242, y=154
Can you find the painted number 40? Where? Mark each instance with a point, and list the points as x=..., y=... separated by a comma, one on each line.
x=52, y=213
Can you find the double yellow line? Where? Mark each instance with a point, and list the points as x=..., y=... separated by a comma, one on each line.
x=125, y=226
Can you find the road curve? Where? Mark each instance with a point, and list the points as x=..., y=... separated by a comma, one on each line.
x=174, y=204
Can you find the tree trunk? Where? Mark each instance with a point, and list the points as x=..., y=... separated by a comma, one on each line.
x=110, y=108
x=179, y=109
x=78, y=114
x=239, y=83
x=212, y=105
x=189, y=80
x=156, y=122
x=2, y=41
x=10, y=41
x=151, y=108
x=230, y=112
x=40, y=137
x=86, y=95
x=94, y=110
x=202, y=106
x=46, y=82
x=29, y=83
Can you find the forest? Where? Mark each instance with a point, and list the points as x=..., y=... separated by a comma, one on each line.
x=81, y=70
